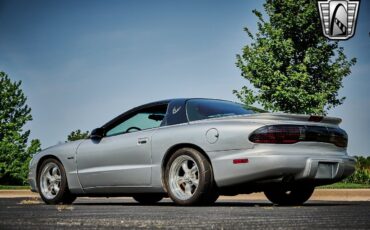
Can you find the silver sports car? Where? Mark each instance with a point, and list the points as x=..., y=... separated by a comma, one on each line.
x=194, y=150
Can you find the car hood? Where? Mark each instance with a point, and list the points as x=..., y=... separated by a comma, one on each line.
x=60, y=149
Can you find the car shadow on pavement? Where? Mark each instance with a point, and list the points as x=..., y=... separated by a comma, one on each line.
x=217, y=204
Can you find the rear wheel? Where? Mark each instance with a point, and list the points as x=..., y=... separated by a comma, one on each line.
x=52, y=183
x=189, y=178
x=289, y=196
x=211, y=198
x=148, y=198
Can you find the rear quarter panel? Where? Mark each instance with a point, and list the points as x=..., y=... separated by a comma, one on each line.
x=233, y=134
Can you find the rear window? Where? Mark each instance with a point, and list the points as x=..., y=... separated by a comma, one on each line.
x=199, y=109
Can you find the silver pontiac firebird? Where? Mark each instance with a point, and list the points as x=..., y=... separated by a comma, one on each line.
x=194, y=150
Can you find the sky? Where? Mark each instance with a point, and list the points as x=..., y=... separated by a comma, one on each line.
x=82, y=63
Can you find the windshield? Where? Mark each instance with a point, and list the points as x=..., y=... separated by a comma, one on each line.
x=199, y=109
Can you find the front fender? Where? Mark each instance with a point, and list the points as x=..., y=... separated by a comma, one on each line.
x=66, y=154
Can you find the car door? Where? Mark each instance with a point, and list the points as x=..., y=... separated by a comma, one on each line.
x=123, y=156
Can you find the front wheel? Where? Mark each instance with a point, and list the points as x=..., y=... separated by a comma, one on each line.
x=189, y=178
x=289, y=196
x=52, y=183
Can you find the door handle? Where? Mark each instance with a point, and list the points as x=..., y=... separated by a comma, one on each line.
x=142, y=141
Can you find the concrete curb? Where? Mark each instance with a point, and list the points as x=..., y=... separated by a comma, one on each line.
x=319, y=194
x=9, y=193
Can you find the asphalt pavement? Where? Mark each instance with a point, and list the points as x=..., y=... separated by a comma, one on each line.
x=100, y=213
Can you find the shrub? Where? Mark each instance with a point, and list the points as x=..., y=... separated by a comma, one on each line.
x=361, y=176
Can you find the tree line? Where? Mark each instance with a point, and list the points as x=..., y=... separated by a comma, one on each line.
x=16, y=150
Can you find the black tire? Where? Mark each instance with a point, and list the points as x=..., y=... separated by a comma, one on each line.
x=63, y=196
x=148, y=198
x=293, y=196
x=205, y=192
x=211, y=198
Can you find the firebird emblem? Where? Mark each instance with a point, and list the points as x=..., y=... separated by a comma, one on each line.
x=175, y=110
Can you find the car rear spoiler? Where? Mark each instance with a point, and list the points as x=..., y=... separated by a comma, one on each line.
x=296, y=117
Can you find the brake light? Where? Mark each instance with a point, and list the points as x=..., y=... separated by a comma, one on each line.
x=290, y=134
x=276, y=134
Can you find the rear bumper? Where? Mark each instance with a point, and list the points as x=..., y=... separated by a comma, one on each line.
x=321, y=169
x=326, y=168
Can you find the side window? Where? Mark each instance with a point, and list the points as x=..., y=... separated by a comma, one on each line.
x=147, y=118
x=176, y=113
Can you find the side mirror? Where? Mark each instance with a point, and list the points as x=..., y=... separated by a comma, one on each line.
x=97, y=134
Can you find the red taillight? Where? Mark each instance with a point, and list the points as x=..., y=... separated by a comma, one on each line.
x=276, y=134
x=290, y=134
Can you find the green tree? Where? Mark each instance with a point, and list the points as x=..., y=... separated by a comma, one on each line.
x=77, y=135
x=290, y=64
x=14, y=114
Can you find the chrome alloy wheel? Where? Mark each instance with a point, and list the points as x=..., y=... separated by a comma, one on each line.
x=50, y=180
x=184, y=177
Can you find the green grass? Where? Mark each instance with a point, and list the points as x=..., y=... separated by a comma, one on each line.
x=5, y=187
x=342, y=185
